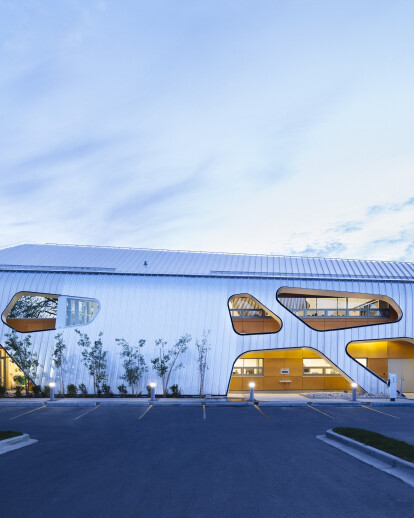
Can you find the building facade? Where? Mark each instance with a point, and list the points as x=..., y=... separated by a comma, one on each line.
x=286, y=323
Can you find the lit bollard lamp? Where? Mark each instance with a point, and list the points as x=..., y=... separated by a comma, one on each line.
x=152, y=386
x=354, y=387
x=52, y=385
x=251, y=385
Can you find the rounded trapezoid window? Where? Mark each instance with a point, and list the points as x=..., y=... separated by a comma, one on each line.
x=250, y=317
x=326, y=310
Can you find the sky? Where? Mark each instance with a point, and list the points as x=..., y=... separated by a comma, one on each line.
x=260, y=126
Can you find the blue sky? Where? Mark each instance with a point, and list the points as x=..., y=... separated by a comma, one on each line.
x=280, y=127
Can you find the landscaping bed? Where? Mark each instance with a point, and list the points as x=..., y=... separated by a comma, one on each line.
x=400, y=449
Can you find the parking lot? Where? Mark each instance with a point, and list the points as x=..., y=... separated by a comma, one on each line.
x=196, y=462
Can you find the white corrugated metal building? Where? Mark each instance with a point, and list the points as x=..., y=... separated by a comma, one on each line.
x=153, y=294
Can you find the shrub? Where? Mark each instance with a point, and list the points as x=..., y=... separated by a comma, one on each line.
x=18, y=391
x=106, y=390
x=83, y=390
x=2, y=391
x=72, y=390
x=122, y=390
x=174, y=391
x=46, y=391
x=37, y=391
x=19, y=380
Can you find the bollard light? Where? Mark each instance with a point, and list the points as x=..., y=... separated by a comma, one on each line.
x=152, y=386
x=252, y=385
x=52, y=386
x=354, y=387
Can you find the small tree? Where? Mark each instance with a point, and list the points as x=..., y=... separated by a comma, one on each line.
x=202, y=350
x=59, y=358
x=167, y=361
x=133, y=362
x=21, y=354
x=94, y=359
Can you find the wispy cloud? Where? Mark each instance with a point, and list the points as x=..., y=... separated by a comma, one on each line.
x=334, y=249
x=390, y=207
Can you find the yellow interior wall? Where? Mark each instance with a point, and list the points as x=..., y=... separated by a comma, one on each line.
x=378, y=352
x=292, y=360
x=382, y=349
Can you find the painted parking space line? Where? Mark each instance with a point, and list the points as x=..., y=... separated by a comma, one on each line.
x=204, y=411
x=87, y=412
x=28, y=412
x=320, y=411
x=261, y=411
x=145, y=411
x=379, y=411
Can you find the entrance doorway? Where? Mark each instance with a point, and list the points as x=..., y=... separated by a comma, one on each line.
x=384, y=356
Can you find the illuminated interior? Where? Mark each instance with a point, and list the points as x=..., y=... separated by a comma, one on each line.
x=8, y=369
x=329, y=310
x=249, y=316
x=293, y=369
x=384, y=356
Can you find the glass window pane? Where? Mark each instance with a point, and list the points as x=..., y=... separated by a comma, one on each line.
x=315, y=362
x=362, y=361
x=252, y=371
x=251, y=362
x=313, y=371
x=327, y=303
x=311, y=302
x=80, y=311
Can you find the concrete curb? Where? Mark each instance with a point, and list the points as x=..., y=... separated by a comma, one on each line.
x=114, y=402
x=15, y=442
x=334, y=403
x=283, y=403
x=395, y=466
x=390, y=403
x=68, y=403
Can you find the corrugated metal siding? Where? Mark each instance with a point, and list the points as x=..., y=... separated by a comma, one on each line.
x=151, y=307
x=124, y=261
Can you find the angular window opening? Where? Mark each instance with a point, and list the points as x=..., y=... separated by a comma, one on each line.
x=250, y=317
x=293, y=369
x=325, y=310
x=384, y=356
x=31, y=312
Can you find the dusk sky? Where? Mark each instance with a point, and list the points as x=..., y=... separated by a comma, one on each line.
x=260, y=126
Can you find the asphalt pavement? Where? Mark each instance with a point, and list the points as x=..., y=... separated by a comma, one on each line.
x=196, y=461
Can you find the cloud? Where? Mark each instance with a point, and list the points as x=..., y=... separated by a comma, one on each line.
x=346, y=228
x=152, y=200
x=62, y=155
x=332, y=249
x=390, y=207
